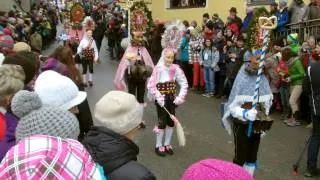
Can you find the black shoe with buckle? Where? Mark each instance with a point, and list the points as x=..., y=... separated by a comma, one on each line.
x=169, y=150
x=160, y=151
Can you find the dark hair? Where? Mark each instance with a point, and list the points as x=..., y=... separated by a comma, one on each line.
x=206, y=15
x=287, y=54
x=186, y=23
x=205, y=40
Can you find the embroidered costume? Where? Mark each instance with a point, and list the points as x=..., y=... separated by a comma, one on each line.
x=163, y=88
x=88, y=51
x=239, y=113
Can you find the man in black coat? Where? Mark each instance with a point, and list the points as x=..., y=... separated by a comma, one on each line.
x=118, y=117
x=312, y=84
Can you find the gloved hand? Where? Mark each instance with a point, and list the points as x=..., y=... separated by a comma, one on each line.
x=160, y=101
x=251, y=114
x=178, y=101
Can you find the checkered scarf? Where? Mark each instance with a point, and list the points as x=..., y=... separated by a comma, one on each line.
x=48, y=157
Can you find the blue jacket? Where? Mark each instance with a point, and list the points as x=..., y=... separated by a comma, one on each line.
x=184, y=47
x=283, y=19
x=246, y=22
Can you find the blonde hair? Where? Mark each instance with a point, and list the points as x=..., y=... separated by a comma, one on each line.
x=11, y=79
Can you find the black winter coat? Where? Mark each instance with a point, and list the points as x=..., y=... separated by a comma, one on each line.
x=116, y=154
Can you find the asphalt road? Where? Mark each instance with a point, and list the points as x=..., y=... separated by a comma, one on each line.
x=200, y=117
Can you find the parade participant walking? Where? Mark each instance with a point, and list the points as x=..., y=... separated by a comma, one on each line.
x=88, y=51
x=239, y=112
x=163, y=88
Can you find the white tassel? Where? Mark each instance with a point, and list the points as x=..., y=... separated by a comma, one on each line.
x=180, y=135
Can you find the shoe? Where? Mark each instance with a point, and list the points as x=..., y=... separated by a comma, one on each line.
x=85, y=84
x=169, y=150
x=90, y=83
x=309, y=174
x=293, y=123
x=161, y=151
x=205, y=95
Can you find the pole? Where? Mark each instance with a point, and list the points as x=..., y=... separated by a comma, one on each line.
x=267, y=24
x=129, y=4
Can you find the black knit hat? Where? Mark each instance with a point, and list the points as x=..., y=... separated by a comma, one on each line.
x=210, y=25
x=27, y=60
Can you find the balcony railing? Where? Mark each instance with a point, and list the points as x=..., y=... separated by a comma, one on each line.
x=305, y=29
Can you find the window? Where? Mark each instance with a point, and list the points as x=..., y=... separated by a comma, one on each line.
x=259, y=2
x=177, y=4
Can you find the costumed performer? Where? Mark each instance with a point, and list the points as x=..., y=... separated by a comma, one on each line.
x=239, y=112
x=136, y=64
x=163, y=87
x=88, y=51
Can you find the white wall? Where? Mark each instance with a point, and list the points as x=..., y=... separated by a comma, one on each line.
x=5, y=5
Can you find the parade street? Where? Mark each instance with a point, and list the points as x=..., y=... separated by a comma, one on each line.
x=200, y=117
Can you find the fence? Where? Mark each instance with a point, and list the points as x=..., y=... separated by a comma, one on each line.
x=305, y=29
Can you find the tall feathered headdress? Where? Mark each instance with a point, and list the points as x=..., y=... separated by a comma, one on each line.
x=88, y=24
x=171, y=37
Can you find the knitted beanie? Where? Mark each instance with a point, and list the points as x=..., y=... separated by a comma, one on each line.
x=27, y=60
x=21, y=46
x=293, y=38
x=118, y=111
x=36, y=119
x=210, y=169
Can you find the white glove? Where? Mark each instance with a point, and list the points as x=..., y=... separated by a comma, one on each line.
x=160, y=101
x=213, y=65
x=178, y=101
x=251, y=114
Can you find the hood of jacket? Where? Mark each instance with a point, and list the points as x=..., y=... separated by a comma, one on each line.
x=111, y=150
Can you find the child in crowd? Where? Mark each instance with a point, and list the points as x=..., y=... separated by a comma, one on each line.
x=12, y=80
x=209, y=58
x=295, y=78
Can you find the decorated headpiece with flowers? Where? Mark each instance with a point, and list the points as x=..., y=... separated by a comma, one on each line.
x=171, y=37
x=140, y=21
x=88, y=24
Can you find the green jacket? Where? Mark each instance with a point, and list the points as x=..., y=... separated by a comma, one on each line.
x=296, y=71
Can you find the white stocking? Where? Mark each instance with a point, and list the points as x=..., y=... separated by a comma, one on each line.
x=159, y=137
x=169, y=132
x=90, y=77
x=84, y=77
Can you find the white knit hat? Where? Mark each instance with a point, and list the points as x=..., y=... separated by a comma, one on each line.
x=118, y=111
x=1, y=58
x=58, y=91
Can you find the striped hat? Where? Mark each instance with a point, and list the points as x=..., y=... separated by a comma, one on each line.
x=48, y=157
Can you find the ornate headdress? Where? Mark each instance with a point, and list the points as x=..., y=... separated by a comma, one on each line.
x=171, y=37
x=88, y=24
x=140, y=21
